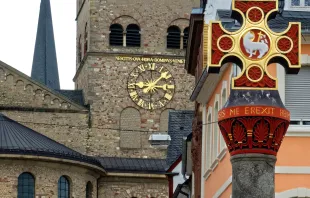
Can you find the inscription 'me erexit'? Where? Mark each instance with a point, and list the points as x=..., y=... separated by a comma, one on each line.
x=253, y=111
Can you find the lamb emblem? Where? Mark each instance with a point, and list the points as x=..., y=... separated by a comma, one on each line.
x=252, y=47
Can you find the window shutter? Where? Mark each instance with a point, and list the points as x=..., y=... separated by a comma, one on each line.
x=297, y=94
x=133, y=36
x=116, y=35
x=173, y=37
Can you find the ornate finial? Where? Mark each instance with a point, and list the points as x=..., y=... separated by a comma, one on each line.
x=254, y=46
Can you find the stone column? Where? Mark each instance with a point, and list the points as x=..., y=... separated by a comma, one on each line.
x=253, y=176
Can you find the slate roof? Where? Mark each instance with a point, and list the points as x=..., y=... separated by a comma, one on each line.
x=280, y=23
x=44, y=65
x=21, y=140
x=133, y=165
x=74, y=95
x=179, y=126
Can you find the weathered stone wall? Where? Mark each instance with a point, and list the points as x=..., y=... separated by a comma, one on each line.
x=104, y=79
x=70, y=129
x=108, y=96
x=46, y=178
x=153, y=17
x=122, y=187
x=18, y=90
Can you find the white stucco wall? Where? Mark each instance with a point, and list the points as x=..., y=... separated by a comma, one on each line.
x=178, y=179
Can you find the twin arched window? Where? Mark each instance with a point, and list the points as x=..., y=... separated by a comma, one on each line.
x=130, y=38
x=176, y=40
x=26, y=186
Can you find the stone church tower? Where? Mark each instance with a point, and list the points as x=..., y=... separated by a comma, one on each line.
x=130, y=60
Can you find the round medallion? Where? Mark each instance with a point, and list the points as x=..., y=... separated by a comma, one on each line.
x=255, y=44
x=284, y=44
x=225, y=43
x=255, y=73
x=255, y=15
x=151, y=86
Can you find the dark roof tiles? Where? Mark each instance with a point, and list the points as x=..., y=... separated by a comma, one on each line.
x=180, y=125
x=44, y=65
x=133, y=165
x=74, y=95
x=21, y=140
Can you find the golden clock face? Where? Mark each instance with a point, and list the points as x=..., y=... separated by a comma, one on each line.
x=151, y=86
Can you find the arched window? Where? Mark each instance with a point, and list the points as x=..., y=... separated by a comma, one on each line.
x=89, y=190
x=63, y=187
x=224, y=99
x=85, y=39
x=116, y=35
x=173, y=37
x=185, y=37
x=209, y=140
x=133, y=36
x=25, y=187
x=215, y=131
x=80, y=50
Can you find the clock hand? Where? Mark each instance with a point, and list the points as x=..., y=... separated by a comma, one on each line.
x=151, y=85
x=165, y=87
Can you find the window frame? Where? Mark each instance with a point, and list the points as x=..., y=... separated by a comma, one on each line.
x=18, y=185
x=59, y=189
x=208, y=140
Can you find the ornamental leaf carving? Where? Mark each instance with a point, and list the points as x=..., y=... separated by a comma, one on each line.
x=261, y=132
x=239, y=134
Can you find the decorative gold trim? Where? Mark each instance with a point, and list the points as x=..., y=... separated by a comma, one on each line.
x=292, y=44
x=247, y=73
x=261, y=20
x=223, y=36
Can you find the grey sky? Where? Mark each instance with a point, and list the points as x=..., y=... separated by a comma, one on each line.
x=18, y=22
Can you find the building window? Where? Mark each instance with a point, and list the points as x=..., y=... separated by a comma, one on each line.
x=63, y=187
x=80, y=50
x=116, y=35
x=133, y=36
x=209, y=141
x=185, y=37
x=85, y=39
x=224, y=99
x=297, y=92
x=300, y=3
x=173, y=37
x=25, y=186
x=295, y=2
x=89, y=190
x=215, y=132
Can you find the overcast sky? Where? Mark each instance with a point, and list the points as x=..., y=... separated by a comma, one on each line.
x=18, y=22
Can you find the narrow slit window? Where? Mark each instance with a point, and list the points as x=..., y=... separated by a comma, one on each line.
x=185, y=38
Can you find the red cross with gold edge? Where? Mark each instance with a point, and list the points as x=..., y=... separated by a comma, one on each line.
x=254, y=46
